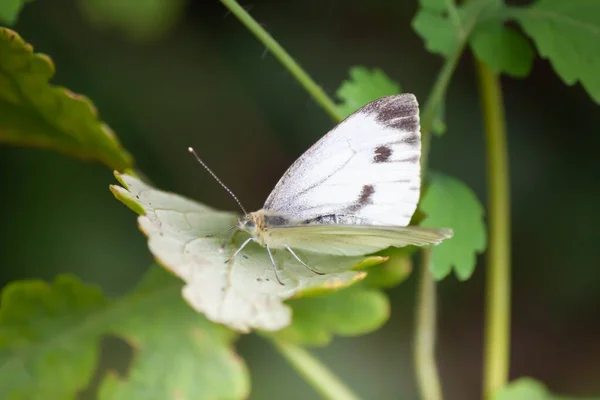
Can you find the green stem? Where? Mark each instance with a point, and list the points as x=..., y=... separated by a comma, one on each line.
x=424, y=355
x=314, y=372
x=288, y=62
x=497, y=331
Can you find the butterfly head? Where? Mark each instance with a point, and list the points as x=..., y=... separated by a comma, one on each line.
x=251, y=223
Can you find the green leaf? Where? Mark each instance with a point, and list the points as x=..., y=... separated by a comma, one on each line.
x=503, y=49
x=242, y=293
x=49, y=337
x=449, y=202
x=178, y=353
x=35, y=113
x=440, y=33
x=349, y=312
x=48, y=349
x=523, y=389
x=363, y=87
x=142, y=20
x=568, y=34
x=10, y=10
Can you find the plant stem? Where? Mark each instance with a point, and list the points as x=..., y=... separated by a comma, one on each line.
x=288, y=62
x=314, y=372
x=424, y=355
x=497, y=332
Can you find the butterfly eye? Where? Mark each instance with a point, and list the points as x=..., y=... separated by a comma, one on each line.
x=250, y=225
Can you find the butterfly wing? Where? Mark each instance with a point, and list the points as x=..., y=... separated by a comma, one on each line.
x=366, y=169
x=353, y=240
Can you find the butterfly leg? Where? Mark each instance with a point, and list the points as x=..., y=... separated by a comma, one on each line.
x=239, y=249
x=274, y=266
x=302, y=262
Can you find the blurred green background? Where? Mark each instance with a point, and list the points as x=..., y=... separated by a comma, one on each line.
x=198, y=78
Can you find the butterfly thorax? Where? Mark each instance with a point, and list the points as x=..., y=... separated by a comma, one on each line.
x=257, y=224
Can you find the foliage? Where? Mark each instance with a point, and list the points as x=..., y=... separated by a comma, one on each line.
x=49, y=333
x=49, y=336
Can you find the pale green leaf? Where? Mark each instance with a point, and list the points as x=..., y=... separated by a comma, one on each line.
x=440, y=33
x=449, y=202
x=242, y=293
x=568, y=34
x=139, y=19
x=503, y=49
x=36, y=113
x=364, y=86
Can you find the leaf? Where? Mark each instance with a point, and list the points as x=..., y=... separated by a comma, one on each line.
x=49, y=342
x=349, y=312
x=363, y=87
x=503, y=49
x=178, y=353
x=141, y=20
x=568, y=34
x=449, y=202
x=10, y=10
x=35, y=113
x=242, y=293
x=47, y=348
x=523, y=389
x=440, y=33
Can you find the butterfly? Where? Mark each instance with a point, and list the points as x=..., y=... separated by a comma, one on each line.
x=352, y=193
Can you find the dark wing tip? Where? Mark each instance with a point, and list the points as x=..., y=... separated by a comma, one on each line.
x=399, y=111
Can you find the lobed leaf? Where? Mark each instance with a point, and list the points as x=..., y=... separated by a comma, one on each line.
x=178, y=354
x=242, y=293
x=568, y=34
x=363, y=87
x=449, y=202
x=49, y=343
x=503, y=49
x=36, y=113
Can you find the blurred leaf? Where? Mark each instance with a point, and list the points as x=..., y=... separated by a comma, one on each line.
x=242, y=293
x=392, y=272
x=10, y=10
x=363, y=87
x=440, y=33
x=449, y=202
x=349, y=312
x=142, y=20
x=568, y=34
x=503, y=49
x=523, y=389
x=48, y=338
x=178, y=353
x=49, y=343
x=35, y=113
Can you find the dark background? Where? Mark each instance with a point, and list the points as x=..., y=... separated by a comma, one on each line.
x=208, y=83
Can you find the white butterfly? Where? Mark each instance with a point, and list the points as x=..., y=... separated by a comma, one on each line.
x=352, y=193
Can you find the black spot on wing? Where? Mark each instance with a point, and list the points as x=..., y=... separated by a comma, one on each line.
x=363, y=199
x=382, y=154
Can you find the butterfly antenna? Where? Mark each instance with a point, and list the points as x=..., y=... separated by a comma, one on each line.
x=217, y=179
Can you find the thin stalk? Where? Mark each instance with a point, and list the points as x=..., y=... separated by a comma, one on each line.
x=497, y=324
x=288, y=62
x=314, y=372
x=428, y=379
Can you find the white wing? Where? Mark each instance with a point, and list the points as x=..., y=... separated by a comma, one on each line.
x=367, y=168
x=353, y=240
